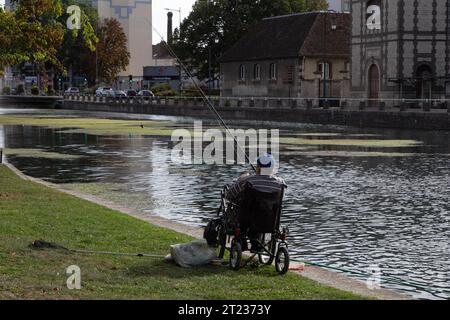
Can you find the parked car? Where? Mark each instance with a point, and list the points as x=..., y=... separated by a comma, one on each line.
x=131, y=93
x=72, y=90
x=120, y=94
x=147, y=94
x=104, y=92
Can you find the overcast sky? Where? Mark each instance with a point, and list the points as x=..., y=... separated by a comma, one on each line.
x=160, y=15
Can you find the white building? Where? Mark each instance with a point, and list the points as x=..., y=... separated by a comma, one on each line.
x=339, y=5
x=135, y=17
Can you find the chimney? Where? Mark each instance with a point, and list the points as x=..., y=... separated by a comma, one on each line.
x=169, y=28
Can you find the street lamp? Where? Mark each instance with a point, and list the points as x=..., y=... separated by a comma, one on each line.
x=333, y=27
x=318, y=75
x=210, y=68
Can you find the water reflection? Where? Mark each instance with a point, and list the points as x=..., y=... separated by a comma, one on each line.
x=353, y=212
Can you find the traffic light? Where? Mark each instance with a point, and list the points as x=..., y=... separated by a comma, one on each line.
x=131, y=78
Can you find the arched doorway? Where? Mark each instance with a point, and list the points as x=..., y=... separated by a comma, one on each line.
x=374, y=85
x=424, y=82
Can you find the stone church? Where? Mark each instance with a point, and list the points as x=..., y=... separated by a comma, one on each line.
x=400, y=49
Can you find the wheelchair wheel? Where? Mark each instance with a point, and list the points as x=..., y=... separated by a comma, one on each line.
x=270, y=245
x=222, y=241
x=282, y=260
x=235, y=255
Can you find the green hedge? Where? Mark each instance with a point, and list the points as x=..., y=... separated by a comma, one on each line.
x=35, y=91
x=6, y=90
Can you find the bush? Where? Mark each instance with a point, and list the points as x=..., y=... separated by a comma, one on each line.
x=191, y=92
x=6, y=90
x=168, y=93
x=20, y=89
x=160, y=88
x=34, y=90
x=49, y=91
x=163, y=90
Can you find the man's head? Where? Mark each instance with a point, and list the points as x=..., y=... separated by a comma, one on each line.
x=265, y=165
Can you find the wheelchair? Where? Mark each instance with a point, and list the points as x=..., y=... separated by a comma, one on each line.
x=252, y=224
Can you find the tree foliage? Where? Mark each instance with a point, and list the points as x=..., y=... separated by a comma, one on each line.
x=111, y=56
x=9, y=36
x=79, y=44
x=40, y=32
x=36, y=32
x=217, y=24
x=89, y=19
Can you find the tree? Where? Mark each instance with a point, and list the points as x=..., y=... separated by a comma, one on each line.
x=9, y=36
x=32, y=33
x=112, y=54
x=35, y=32
x=40, y=31
x=79, y=44
x=214, y=26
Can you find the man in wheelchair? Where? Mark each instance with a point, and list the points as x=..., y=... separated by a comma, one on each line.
x=264, y=180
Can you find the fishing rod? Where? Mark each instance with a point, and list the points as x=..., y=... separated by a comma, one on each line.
x=222, y=122
x=204, y=97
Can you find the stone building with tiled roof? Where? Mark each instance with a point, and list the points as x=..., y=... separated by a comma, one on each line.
x=303, y=55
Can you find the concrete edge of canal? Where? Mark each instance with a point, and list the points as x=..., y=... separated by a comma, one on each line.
x=356, y=118
x=330, y=278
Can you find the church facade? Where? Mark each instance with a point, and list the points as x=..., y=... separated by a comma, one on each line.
x=400, y=49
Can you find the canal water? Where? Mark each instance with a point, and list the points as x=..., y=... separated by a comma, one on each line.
x=349, y=204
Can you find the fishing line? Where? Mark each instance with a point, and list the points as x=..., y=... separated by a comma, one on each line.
x=42, y=244
x=146, y=255
x=386, y=279
x=204, y=97
x=222, y=122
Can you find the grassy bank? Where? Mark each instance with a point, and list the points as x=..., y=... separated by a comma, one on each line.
x=29, y=211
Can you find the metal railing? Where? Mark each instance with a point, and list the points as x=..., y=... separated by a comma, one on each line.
x=346, y=104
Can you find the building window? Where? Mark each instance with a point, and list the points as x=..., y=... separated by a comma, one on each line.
x=257, y=72
x=325, y=69
x=242, y=72
x=346, y=6
x=273, y=71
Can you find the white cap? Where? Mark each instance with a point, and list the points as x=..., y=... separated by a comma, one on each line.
x=267, y=164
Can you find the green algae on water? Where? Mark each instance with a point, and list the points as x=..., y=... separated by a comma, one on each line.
x=353, y=154
x=367, y=143
x=39, y=153
x=93, y=126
